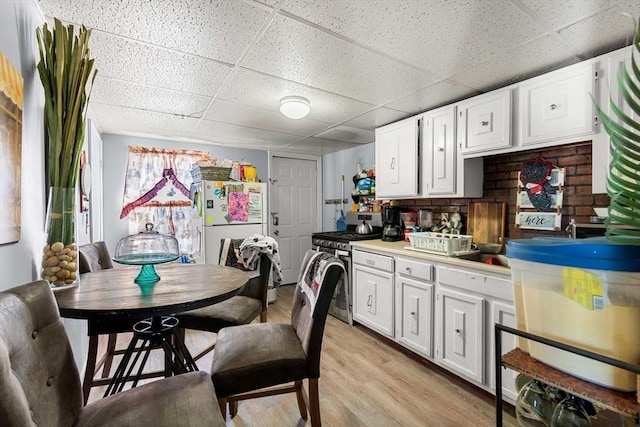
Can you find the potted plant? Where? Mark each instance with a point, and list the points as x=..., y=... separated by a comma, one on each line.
x=623, y=182
x=65, y=68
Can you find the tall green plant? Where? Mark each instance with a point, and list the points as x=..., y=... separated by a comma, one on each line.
x=64, y=68
x=623, y=183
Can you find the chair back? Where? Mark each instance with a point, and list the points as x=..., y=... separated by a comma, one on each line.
x=258, y=284
x=94, y=257
x=39, y=380
x=322, y=271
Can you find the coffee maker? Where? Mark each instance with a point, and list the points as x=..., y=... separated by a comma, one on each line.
x=391, y=227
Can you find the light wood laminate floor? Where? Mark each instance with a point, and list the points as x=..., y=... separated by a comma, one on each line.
x=363, y=382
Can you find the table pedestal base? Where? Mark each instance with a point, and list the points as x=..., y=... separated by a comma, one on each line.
x=155, y=332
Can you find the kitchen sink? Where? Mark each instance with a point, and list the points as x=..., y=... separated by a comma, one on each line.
x=480, y=257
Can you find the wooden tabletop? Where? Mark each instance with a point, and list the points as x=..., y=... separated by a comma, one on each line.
x=112, y=293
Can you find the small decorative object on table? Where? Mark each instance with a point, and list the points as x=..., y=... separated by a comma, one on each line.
x=146, y=249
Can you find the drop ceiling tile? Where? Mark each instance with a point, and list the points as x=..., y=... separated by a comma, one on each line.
x=347, y=134
x=558, y=13
x=318, y=146
x=225, y=132
x=303, y=54
x=264, y=91
x=440, y=36
x=118, y=92
x=221, y=29
x=141, y=63
x=603, y=32
x=375, y=118
x=539, y=56
x=432, y=96
x=150, y=122
x=243, y=115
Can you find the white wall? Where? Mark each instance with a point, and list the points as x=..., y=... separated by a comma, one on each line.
x=335, y=165
x=115, y=154
x=20, y=262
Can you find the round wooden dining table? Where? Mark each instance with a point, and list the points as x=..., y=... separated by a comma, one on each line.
x=112, y=302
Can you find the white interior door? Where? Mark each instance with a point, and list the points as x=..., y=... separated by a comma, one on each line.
x=294, y=213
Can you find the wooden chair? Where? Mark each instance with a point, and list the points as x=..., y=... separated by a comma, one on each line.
x=241, y=309
x=250, y=360
x=40, y=382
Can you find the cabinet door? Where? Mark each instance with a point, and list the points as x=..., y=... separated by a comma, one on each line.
x=414, y=315
x=373, y=299
x=503, y=314
x=461, y=338
x=484, y=123
x=439, y=163
x=557, y=105
x=602, y=149
x=396, y=153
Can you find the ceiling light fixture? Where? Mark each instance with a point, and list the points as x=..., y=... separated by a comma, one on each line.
x=295, y=107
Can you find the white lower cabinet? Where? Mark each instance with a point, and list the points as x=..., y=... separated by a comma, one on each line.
x=445, y=313
x=461, y=328
x=414, y=306
x=502, y=314
x=373, y=291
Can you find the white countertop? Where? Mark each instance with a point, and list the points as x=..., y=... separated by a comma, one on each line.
x=398, y=248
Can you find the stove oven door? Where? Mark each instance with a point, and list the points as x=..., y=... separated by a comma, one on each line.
x=342, y=303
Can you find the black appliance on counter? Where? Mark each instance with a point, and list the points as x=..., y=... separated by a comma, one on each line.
x=391, y=225
x=337, y=243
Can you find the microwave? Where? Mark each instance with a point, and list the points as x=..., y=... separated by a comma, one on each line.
x=582, y=231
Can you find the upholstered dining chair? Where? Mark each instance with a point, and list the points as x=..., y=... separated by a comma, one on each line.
x=249, y=358
x=40, y=382
x=241, y=309
x=95, y=257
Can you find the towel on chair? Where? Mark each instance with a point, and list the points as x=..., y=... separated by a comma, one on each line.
x=311, y=277
x=230, y=257
x=255, y=245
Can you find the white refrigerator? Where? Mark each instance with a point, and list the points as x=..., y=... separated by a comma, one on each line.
x=231, y=209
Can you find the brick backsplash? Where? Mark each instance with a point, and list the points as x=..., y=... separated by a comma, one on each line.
x=500, y=184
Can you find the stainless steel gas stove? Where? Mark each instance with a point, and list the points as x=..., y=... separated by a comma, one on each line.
x=337, y=243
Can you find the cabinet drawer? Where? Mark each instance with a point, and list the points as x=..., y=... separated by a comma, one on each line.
x=412, y=268
x=380, y=262
x=477, y=282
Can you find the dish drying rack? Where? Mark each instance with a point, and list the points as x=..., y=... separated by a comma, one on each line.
x=441, y=243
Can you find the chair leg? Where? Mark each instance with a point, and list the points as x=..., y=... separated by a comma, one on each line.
x=300, y=396
x=89, y=371
x=233, y=408
x=222, y=402
x=111, y=347
x=314, y=403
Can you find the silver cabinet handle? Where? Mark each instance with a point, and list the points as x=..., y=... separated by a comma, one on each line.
x=457, y=331
x=440, y=149
x=369, y=300
x=553, y=106
x=484, y=123
x=393, y=163
x=408, y=269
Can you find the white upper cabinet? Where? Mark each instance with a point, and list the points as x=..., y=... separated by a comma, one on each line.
x=557, y=105
x=439, y=159
x=396, y=154
x=484, y=123
x=611, y=66
x=444, y=172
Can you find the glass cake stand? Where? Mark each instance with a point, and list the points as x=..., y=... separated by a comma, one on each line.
x=147, y=249
x=148, y=275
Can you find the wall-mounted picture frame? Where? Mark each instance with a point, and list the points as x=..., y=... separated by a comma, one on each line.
x=525, y=202
x=11, y=104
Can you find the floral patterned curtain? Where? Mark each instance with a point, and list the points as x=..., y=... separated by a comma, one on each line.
x=156, y=190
